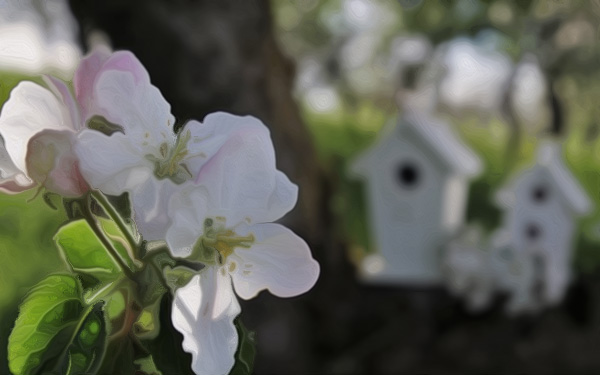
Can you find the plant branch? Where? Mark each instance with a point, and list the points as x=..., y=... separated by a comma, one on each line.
x=91, y=220
x=114, y=215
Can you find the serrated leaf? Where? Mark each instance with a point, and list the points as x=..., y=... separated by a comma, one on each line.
x=246, y=351
x=85, y=253
x=52, y=306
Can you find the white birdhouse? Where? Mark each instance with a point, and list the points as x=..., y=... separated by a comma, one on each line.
x=540, y=205
x=417, y=183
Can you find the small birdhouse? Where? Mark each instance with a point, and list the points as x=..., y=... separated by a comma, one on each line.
x=540, y=206
x=416, y=177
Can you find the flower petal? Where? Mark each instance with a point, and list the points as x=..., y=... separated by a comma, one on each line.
x=111, y=164
x=124, y=95
x=203, y=311
x=240, y=173
x=52, y=163
x=62, y=91
x=29, y=110
x=187, y=210
x=12, y=180
x=85, y=76
x=150, y=205
x=279, y=261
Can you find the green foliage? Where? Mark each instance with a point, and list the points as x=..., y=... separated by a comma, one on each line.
x=246, y=351
x=28, y=255
x=85, y=353
x=54, y=317
x=86, y=255
x=178, y=277
x=51, y=306
x=146, y=365
x=84, y=252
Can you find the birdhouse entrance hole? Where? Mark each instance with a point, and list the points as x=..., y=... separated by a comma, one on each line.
x=539, y=194
x=408, y=175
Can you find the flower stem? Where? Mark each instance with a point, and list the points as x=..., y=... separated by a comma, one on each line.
x=91, y=220
x=114, y=215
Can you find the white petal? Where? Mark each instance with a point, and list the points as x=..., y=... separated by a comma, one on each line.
x=29, y=110
x=62, y=91
x=187, y=210
x=111, y=164
x=12, y=180
x=240, y=174
x=203, y=311
x=150, y=204
x=279, y=261
x=127, y=98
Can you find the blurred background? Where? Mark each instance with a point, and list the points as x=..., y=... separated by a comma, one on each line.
x=331, y=79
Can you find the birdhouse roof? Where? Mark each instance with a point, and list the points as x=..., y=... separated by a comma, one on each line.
x=549, y=159
x=434, y=133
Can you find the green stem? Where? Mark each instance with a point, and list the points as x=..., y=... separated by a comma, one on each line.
x=91, y=220
x=114, y=215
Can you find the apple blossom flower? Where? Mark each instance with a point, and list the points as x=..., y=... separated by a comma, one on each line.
x=38, y=126
x=144, y=157
x=116, y=90
x=223, y=220
x=203, y=310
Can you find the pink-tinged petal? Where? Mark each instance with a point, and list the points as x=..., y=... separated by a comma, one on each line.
x=127, y=98
x=279, y=261
x=187, y=210
x=203, y=311
x=51, y=162
x=29, y=110
x=239, y=169
x=85, y=76
x=111, y=164
x=61, y=91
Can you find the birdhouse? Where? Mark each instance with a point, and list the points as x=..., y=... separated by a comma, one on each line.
x=416, y=176
x=540, y=206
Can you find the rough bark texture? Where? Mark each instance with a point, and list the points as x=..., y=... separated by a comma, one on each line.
x=222, y=55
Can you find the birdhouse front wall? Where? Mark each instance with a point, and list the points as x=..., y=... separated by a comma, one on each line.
x=542, y=225
x=406, y=188
x=540, y=215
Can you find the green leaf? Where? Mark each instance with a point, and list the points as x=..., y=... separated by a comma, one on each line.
x=146, y=366
x=147, y=326
x=246, y=351
x=84, y=252
x=52, y=306
x=178, y=277
x=119, y=242
x=86, y=350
